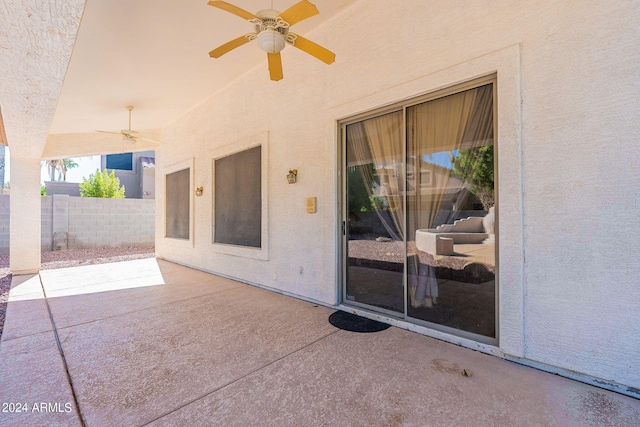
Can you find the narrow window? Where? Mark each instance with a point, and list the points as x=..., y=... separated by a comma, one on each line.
x=238, y=199
x=177, y=204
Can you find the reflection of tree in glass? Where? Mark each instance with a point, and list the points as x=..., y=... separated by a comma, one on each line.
x=361, y=198
x=357, y=191
x=475, y=167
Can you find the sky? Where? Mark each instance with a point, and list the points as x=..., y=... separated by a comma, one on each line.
x=442, y=158
x=86, y=166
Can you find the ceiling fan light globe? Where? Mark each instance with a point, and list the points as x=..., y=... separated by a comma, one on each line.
x=271, y=41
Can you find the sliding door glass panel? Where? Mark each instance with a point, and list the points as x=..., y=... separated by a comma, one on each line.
x=375, y=181
x=450, y=215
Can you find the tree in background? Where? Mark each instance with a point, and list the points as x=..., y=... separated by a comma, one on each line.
x=52, y=166
x=475, y=167
x=61, y=166
x=65, y=165
x=102, y=184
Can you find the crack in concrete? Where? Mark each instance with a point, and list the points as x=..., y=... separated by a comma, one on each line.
x=242, y=377
x=64, y=360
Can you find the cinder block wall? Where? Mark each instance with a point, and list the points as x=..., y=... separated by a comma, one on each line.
x=46, y=230
x=97, y=222
x=4, y=223
x=92, y=222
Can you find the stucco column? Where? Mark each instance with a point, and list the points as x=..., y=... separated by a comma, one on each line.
x=25, y=217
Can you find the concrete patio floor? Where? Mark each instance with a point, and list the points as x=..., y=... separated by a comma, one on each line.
x=148, y=342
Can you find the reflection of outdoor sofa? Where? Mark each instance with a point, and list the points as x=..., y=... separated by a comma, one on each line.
x=440, y=240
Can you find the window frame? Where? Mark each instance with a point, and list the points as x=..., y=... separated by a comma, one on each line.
x=261, y=253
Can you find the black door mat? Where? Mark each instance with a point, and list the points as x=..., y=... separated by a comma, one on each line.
x=351, y=322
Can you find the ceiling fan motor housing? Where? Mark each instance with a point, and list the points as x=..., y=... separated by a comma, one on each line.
x=272, y=31
x=271, y=41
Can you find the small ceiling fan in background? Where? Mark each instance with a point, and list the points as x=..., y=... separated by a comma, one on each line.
x=130, y=135
x=272, y=33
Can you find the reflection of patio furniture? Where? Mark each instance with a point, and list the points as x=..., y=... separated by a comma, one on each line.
x=440, y=240
x=434, y=243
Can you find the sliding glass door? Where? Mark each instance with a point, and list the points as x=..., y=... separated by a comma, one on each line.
x=375, y=212
x=420, y=212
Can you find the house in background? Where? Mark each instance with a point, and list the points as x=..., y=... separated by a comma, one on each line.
x=551, y=86
x=136, y=172
x=62, y=187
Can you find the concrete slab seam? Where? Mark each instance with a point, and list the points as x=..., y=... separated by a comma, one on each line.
x=242, y=377
x=64, y=360
x=146, y=308
x=24, y=336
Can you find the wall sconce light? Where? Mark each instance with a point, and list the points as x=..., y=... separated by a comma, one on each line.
x=291, y=177
x=199, y=191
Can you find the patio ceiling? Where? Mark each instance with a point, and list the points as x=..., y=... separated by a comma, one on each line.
x=154, y=55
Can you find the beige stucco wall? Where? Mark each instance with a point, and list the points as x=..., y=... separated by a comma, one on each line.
x=36, y=40
x=25, y=216
x=568, y=130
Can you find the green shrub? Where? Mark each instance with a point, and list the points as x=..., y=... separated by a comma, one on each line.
x=102, y=184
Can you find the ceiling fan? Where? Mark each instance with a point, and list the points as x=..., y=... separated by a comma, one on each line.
x=272, y=33
x=130, y=135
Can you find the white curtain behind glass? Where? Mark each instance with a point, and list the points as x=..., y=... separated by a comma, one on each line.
x=379, y=141
x=462, y=120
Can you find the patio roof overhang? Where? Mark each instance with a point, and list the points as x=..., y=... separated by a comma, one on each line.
x=37, y=41
x=63, y=79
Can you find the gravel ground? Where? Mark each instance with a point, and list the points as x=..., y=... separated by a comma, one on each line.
x=70, y=258
x=393, y=252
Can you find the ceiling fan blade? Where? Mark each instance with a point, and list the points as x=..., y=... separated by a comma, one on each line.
x=108, y=131
x=314, y=49
x=130, y=134
x=275, y=66
x=232, y=9
x=299, y=11
x=221, y=50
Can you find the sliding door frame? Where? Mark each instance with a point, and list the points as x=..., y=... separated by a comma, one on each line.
x=343, y=228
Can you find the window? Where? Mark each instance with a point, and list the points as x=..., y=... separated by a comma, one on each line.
x=178, y=192
x=122, y=161
x=238, y=199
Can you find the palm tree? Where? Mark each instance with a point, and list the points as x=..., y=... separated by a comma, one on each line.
x=52, y=166
x=65, y=165
x=61, y=166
